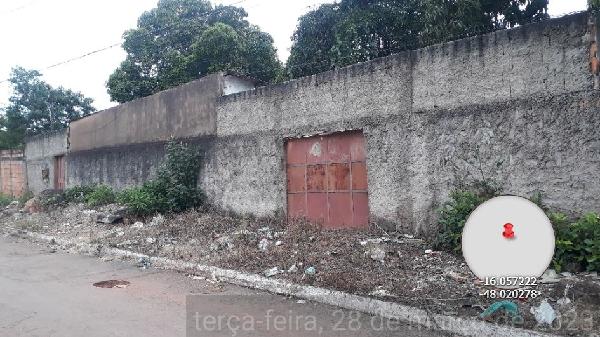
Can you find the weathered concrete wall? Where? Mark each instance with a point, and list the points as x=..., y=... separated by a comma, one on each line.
x=244, y=174
x=40, y=152
x=515, y=101
x=12, y=173
x=549, y=145
x=124, y=145
x=122, y=166
x=182, y=112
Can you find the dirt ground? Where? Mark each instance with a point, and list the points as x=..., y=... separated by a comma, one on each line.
x=390, y=266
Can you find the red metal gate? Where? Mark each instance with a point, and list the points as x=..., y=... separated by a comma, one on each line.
x=59, y=172
x=327, y=180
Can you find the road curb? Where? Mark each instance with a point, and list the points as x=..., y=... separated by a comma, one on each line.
x=411, y=315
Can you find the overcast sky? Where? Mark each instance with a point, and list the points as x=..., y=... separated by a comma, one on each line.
x=38, y=33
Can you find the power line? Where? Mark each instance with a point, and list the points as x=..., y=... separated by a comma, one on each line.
x=16, y=9
x=205, y=15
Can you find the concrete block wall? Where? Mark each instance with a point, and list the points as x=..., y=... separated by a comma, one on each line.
x=40, y=152
x=519, y=104
x=124, y=145
x=186, y=111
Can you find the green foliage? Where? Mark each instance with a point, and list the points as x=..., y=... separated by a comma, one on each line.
x=5, y=200
x=36, y=107
x=594, y=5
x=577, y=243
x=454, y=213
x=145, y=200
x=100, y=195
x=182, y=40
x=78, y=194
x=175, y=188
x=452, y=217
x=51, y=198
x=92, y=195
x=351, y=31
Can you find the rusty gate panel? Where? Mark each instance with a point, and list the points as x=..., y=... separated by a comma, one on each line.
x=12, y=173
x=59, y=172
x=327, y=179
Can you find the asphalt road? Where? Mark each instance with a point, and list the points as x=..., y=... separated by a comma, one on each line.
x=52, y=294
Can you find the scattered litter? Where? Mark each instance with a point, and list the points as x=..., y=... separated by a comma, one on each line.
x=454, y=275
x=108, y=219
x=112, y=284
x=476, y=306
x=242, y=232
x=158, y=220
x=221, y=243
x=550, y=276
x=544, y=314
x=508, y=306
x=293, y=269
x=563, y=301
x=310, y=271
x=263, y=245
x=278, y=243
x=373, y=241
x=144, y=263
x=150, y=240
x=196, y=277
x=266, y=231
x=566, y=274
x=120, y=233
x=376, y=253
x=301, y=301
x=428, y=251
x=138, y=225
x=381, y=292
x=272, y=272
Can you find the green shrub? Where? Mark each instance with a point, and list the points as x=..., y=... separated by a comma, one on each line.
x=452, y=217
x=577, y=243
x=175, y=187
x=100, y=195
x=145, y=200
x=453, y=214
x=51, y=198
x=79, y=194
x=5, y=200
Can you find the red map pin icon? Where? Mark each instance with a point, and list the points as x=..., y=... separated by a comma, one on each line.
x=508, y=231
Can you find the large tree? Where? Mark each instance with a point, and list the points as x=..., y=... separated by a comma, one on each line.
x=182, y=40
x=36, y=107
x=351, y=31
